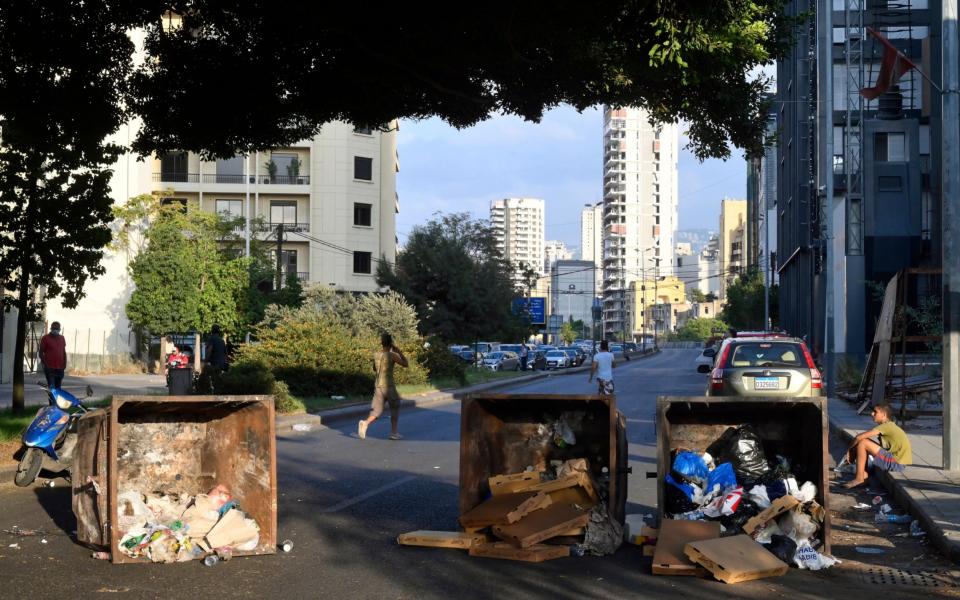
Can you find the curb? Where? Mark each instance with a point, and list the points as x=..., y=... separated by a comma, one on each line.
x=949, y=548
x=361, y=409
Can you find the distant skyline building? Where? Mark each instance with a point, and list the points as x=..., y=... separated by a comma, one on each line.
x=733, y=237
x=701, y=271
x=591, y=232
x=572, y=285
x=554, y=250
x=639, y=209
x=519, y=227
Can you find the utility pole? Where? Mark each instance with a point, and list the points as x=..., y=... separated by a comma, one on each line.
x=246, y=206
x=950, y=186
x=825, y=174
x=656, y=297
x=279, y=275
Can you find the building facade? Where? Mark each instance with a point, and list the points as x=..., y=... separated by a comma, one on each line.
x=732, y=239
x=573, y=287
x=554, y=250
x=762, y=208
x=519, y=226
x=591, y=233
x=639, y=209
x=651, y=302
x=701, y=271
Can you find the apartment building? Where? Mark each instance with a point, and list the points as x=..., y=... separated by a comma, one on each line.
x=554, y=250
x=591, y=232
x=519, y=227
x=334, y=198
x=639, y=209
x=573, y=285
x=701, y=271
x=733, y=236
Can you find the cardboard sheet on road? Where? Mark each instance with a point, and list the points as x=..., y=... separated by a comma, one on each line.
x=672, y=538
x=441, y=539
x=735, y=559
x=535, y=553
x=504, y=509
x=542, y=525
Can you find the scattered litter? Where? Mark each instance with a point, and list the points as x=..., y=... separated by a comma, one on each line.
x=17, y=546
x=916, y=530
x=889, y=518
x=302, y=427
x=24, y=532
x=43, y=541
x=877, y=500
x=100, y=555
x=886, y=508
x=869, y=550
x=862, y=506
x=808, y=558
x=286, y=545
x=782, y=547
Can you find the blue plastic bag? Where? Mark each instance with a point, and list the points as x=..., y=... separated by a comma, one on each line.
x=691, y=466
x=686, y=488
x=722, y=475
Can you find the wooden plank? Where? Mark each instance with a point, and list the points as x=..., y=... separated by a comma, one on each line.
x=669, y=559
x=542, y=525
x=505, y=509
x=776, y=508
x=536, y=553
x=507, y=484
x=735, y=559
x=882, y=338
x=442, y=539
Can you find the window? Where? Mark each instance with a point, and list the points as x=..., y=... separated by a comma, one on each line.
x=363, y=168
x=173, y=166
x=230, y=209
x=283, y=211
x=363, y=130
x=361, y=214
x=229, y=170
x=361, y=262
x=287, y=167
x=889, y=147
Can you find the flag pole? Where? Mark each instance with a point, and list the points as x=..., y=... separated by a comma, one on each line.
x=887, y=43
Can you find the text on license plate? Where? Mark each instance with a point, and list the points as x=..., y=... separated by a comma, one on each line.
x=766, y=383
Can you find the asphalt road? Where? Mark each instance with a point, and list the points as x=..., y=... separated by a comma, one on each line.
x=343, y=501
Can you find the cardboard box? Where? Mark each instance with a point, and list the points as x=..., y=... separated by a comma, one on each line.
x=542, y=525
x=669, y=558
x=505, y=509
x=776, y=508
x=442, y=539
x=735, y=559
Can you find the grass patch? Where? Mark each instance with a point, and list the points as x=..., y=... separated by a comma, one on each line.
x=12, y=425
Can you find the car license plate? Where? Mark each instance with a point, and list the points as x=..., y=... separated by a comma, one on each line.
x=766, y=383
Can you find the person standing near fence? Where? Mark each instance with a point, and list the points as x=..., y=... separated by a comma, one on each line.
x=53, y=355
x=385, y=391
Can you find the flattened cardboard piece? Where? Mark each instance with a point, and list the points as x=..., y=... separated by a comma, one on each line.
x=556, y=484
x=504, y=509
x=669, y=559
x=575, y=495
x=233, y=529
x=442, y=539
x=508, y=484
x=735, y=559
x=816, y=511
x=542, y=525
x=776, y=508
x=536, y=553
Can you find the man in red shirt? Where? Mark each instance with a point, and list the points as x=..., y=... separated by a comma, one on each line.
x=53, y=354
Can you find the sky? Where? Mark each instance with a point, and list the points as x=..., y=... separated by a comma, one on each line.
x=446, y=170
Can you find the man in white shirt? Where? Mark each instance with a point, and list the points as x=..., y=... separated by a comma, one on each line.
x=602, y=367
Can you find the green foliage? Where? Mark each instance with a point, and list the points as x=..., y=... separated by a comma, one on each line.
x=699, y=330
x=440, y=363
x=710, y=297
x=284, y=402
x=456, y=278
x=696, y=295
x=326, y=346
x=744, y=308
x=254, y=378
x=568, y=333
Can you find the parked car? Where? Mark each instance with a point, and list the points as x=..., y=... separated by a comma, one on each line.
x=773, y=366
x=501, y=361
x=617, y=351
x=631, y=347
x=515, y=348
x=557, y=359
x=467, y=355
x=576, y=354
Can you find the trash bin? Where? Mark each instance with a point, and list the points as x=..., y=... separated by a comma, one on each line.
x=180, y=381
x=795, y=428
x=175, y=445
x=504, y=434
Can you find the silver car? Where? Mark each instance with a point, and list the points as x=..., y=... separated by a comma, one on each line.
x=501, y=361
x=764, y=367
x=557, y=359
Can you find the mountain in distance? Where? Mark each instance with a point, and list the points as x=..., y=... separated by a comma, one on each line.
x=697, y=238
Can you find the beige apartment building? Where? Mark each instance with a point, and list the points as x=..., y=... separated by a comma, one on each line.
x=518, y=224
x=733, y=219
x=591, y=233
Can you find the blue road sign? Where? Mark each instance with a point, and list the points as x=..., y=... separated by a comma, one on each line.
x=536, y=308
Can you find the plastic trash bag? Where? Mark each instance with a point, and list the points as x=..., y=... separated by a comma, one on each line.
x=734, y=523
x=765, y=532
x=798, y=526
x=722, y=476
x=783, y=548
x=806, y=493
x=758, y=494
x=808, y=558
x=742, y=447
x=691, y=466
x=604, y=534
x=678, y=496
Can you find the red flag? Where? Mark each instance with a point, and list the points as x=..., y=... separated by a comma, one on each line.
x=893, y=66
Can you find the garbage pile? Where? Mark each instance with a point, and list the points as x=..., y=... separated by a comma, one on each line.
x=734, y=484
x=536, y=515
x=176, y=528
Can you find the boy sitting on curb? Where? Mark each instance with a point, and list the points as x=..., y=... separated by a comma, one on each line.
x=892, y=452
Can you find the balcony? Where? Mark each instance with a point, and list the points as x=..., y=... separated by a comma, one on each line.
x=270, y=227
x=167, y=177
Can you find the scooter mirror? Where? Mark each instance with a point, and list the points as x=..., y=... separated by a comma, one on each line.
x=89, y=391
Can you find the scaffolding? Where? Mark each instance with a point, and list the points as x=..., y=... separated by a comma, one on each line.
x=853, y=124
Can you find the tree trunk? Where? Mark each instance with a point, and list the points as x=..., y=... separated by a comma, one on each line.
x=18, y=404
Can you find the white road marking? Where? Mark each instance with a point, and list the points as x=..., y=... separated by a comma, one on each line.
x=374, y=492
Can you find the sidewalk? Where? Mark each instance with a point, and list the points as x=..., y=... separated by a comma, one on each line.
x=931, y=494
x=103, y=385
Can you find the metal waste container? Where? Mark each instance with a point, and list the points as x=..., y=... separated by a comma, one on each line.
x=182, y=445
x=507, y=433
x=795, y=428
x=180, y=381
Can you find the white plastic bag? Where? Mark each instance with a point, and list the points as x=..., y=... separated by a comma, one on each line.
x=758, y=495
x=808, y=558
x=806, y=493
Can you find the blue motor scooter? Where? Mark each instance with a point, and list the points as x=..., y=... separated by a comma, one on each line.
x=50, y=439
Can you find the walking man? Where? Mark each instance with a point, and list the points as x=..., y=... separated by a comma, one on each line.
x=523, y=357
x=53, y=355
x=215, y=356
x=891, y=451
x=602, y=367
x=385, y=391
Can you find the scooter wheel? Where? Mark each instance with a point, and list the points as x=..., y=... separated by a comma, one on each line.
x=29, y=467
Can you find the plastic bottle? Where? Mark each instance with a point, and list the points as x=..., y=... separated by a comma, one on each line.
x=211, y=560
x=882, y=518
